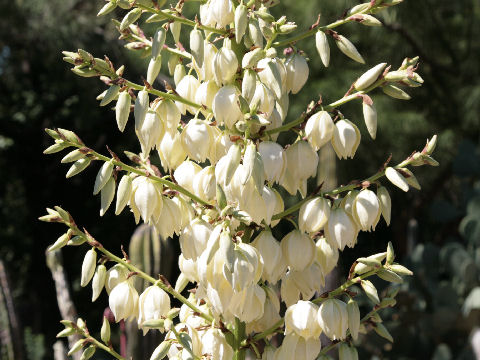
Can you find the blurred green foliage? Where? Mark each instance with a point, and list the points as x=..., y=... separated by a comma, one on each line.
x=436, y=231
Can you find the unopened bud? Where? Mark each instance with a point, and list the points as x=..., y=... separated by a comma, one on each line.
x=399, y=269
x=395, y=92
x=370, y=116
x=389, y=276
x=107, y=8
x=369, y=77
x=158, y=41
x=98, y=281
x=370, y=291
x=66, y=332
x=431, y=144
x=353, y=318
x=381, y=330
x=122, y=109
x=103, y=176
x=77, y=167
x=390, y=253
x=130, y=18
x=254, y=33
x=110, y=95
x=88, y=267
x=323, y=48
x=388, y=302
x=88, y=352
x=105, y=331
x=154, y=67
x=123, y=194
x=57, y=147
x=76, y=347
x=346, y=46
x=197, y=46
x=61, y=242
x=161, y=351
x=396, y=178
x=241, y=22
x=175, y=29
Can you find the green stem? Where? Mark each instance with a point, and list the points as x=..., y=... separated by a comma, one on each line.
x=145, y=276
x=239, y=336
x=264, y=334
x=129, y=168
x=314, y=30
x=102, y=346
x=341, y=289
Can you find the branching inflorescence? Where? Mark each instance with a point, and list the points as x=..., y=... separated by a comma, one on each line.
x=215, y=133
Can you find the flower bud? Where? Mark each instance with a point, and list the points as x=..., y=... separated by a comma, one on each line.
x=72, y=156
x=154, y=67
x=122, y=109
x=341, y=229
x=298, y=250
x=395, y=92
x=302, y=162
x=300, y=319
x=221, y=146
x=171, y=151
x=196, y=46
x=123, y=301
x=107, y=8
x=175, y=29
x=274, y=75
x=263, y=100
x=178, y=74
x=314, y=215
x=319, y=129
x=297, y=73
x=196, y=139
x=105, y=331
x=123, y=194
x=385, y=203
x=225, y=106
x=346, y=138
x=274, y=160
x=153, y=304
x=251, y=58
x=353, y=318
x=205, y=94
x=345, y=46
x=222, y=12
x=140, y=109
x=194, y=238
x=158, y=41
x=110, y=95
x=161, y=350
x=76, y=347
x=255, y=33
x=98, y=281
x=370, y=291
x=346, y=352
x=270, y=314
x=369, y=77
x=410, y=178
x=225, y=66
x=204, y=184
x=326, y=255
x=348, y=201
x=130, y=18
x=215, y=345
x=389, y=276
x=333, y=319
x=370, y=116
x=366, y=210
x=381, y=330
x=59, y=243
x=103, y=176
x=396, y=178
x=187, y=88
x=88, y=352
x=241, y=22
x=77, y=167
x=151, y=132
x=88, y=267
x=323, y=48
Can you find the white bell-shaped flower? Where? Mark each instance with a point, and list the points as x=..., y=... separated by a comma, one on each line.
x=248, y=304
x=271, y=198
x=115, y=275
x=274, y=160
x=153, y=304
x=215, y=345
x=146, y=197
x=206, y=92
x=302, y=162
x=186, y=209
x=270, y=250
x=341, y=229
x=326, y=255
x=333, y=319
x=204, y=184
x=225, y=66
x=314, y=214
x=123, y=301
x=319, y=129
x=366, y=210
x=151, y=132
x=309, y=280
x=194, y=238
x=197, y=138
x=298, y=250
x=297, y=72
x=225, y=106
x=222, y=12
x=188, y=267
x=185, y=173
x=270, y=313
x=301, y=319
x=220, y=146
x=168, y=221
x=346, y=138
x=348, y=201
x=275, y=122
x=170, y=150
x=169, y=114
x=263, y=99
x=209, y=54
x=274, y=75
x=187, y=88
x=298, y=348
x=247, y=267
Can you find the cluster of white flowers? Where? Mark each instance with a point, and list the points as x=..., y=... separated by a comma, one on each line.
x=216, y=138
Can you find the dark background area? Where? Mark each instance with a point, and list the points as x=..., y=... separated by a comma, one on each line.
x=436, y=231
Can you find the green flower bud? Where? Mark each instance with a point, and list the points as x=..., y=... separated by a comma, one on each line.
x=399, y=269
x=353, y=318
x=78, y=166
x=161, y=351
x=369, y=77
x=390, y=253
x=389, y=276
x=395, y=92
x=98, y=281
x=130, y=18
x=396, y=178
x=123, y=194
x=72, y=156
x=76, y=347
x=370, y=262
x=58, y=146
x=381, y=330
x=84, y=71
x=175, y=29
x=411, y=179
x=88, y=352
x=370, y=291
x=66, y=332
x=61, y=242
x=158, y=41
x=76, y=241
x=107, y=8
x=110, y=95
x=431, y=144
x=105, y=331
